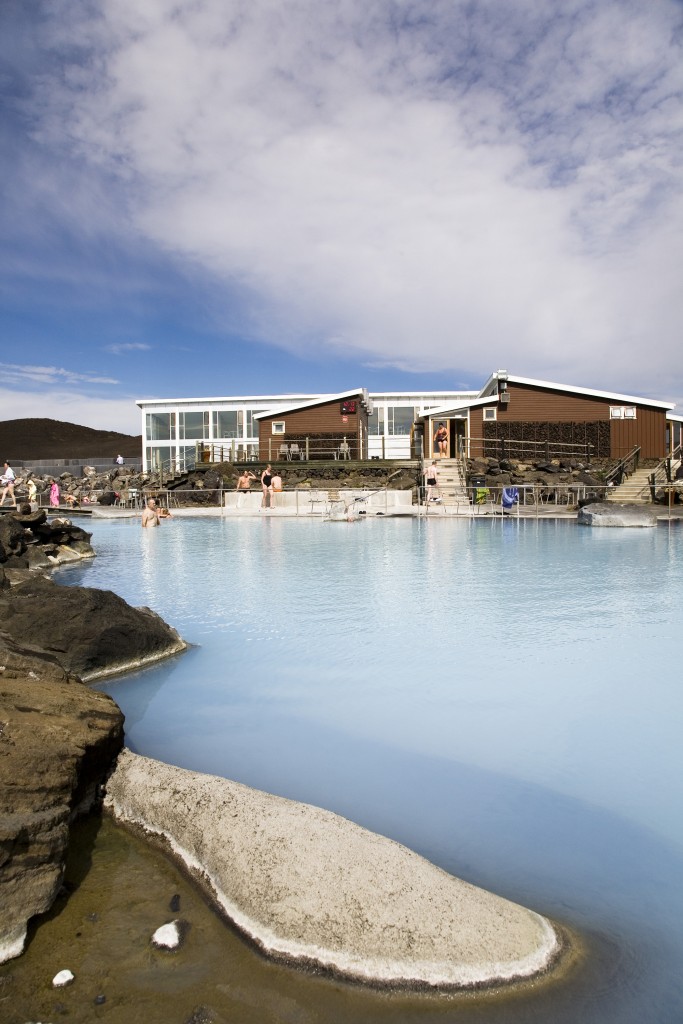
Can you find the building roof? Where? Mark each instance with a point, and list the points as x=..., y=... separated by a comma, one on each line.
x=460, y=406
x=298, y=397
x=491, y=387
x=282, y=409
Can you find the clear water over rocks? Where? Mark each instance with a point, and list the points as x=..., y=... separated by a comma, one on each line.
x=504, y=697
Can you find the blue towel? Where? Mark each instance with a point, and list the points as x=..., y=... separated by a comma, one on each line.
x=510, y=497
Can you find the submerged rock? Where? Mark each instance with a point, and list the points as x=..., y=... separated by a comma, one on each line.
x=605, y=513
x=168, y=936
x=311, y=887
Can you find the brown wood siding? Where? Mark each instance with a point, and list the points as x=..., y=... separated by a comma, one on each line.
x=477, y=432
x=648, y=430
x=540, y=405
x=324, y=419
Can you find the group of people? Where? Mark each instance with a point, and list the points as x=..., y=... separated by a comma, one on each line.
x=8, y=481
x=271, y=484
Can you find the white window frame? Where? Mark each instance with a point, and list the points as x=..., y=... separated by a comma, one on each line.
x=490, y=415
x=622, y=412
x=278, y=427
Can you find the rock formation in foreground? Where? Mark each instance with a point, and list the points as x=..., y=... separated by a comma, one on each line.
x=311, y=887
x=611, y=513
x=58, y=739
x=92, y=633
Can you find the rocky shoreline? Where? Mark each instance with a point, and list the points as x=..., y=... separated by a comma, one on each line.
x=301, y=883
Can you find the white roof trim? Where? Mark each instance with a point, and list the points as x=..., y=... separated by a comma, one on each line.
x=298, y=397
x=592, y=392
x=461, y=406
x=281, y=410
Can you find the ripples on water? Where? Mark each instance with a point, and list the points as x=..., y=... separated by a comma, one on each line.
x=503, y=697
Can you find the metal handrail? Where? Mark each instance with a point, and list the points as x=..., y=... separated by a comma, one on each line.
x=661, y=474
x=624, y=467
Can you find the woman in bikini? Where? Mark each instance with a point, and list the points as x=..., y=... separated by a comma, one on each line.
x=441, y=440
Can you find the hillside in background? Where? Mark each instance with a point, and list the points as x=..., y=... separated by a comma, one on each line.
x=53, y=439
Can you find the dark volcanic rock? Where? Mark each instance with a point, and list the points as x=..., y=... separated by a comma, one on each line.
x=89, y=632
x=57, y=741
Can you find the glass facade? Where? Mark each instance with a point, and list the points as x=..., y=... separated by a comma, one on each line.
x=227, y=423
x=193, y=426
x=160, y=426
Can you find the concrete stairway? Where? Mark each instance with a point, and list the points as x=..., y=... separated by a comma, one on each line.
x=635, y=489
x=451, y=486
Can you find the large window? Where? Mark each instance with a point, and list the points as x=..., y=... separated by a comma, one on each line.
x=227, y=423
x=159, y=459
x=252, y=428
x=193, y=426
x=376, y=421
x=399, y=420
x=160, y=426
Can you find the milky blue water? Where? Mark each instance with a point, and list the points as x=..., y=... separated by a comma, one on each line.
x=504, y=697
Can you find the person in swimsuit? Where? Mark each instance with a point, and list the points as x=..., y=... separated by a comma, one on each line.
x=432, y=480
x=441, y=440
x=267, y=485
x=244, y=481
x=276, y=487
x=150, y=514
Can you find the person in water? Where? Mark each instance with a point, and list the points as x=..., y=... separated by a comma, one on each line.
x=267, y=485
x=150, y=514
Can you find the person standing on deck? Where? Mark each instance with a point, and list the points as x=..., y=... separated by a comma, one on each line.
x=441, y=440
x=267, y=485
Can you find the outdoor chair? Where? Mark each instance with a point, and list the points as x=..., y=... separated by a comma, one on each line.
x=284, y=452
x=295, y=452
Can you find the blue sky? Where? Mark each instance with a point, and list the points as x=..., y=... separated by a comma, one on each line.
x=206, y=197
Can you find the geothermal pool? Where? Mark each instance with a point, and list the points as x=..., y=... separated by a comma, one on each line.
x=504, y=697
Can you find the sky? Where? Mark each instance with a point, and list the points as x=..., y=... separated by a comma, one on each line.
x=249, y=197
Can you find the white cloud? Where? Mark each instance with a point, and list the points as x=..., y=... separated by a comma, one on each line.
x=71, y=406
x=433, y=186
x=128, y=346
x=15, y=373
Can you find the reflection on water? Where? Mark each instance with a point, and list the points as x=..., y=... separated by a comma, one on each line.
x=501, y=696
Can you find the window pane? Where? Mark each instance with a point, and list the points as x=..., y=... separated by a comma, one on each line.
x=400, y=420
x=225, y=424
x=376, y=421
x=191, y=426
x=160, y=426
x=159, y=458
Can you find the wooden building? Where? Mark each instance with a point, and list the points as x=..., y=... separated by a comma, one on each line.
x=332, y=427
x=531, y=419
